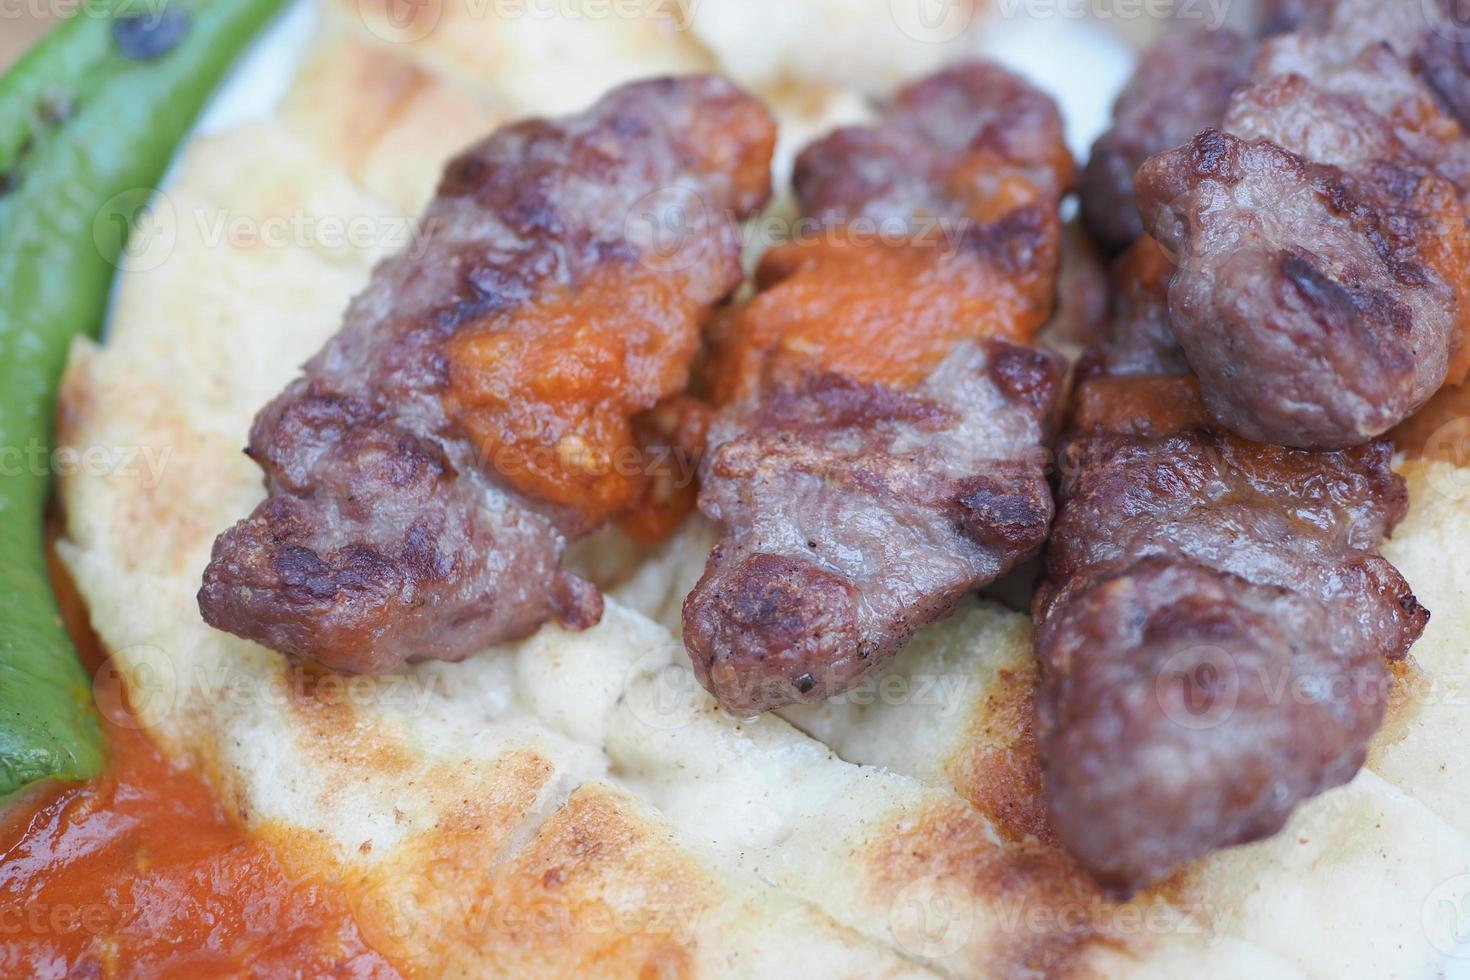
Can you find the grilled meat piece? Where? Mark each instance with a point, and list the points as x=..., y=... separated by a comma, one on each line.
x=426, y=470
x=856, y=514
x=974, y=143
x=1214, y=622
x=880, y=449
x=1139, y=341
x=1323, y=292
x=1182, y=86
x=1317, y=306
x=1314, y=98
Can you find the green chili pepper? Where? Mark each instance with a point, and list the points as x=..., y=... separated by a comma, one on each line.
x=89, y=121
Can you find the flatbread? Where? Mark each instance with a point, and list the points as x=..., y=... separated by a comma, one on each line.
x=575, y=804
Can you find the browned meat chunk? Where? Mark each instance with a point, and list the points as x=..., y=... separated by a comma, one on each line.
x=1214, y=623
x=1316, y=306
x=1378, y=91
x=1323, y=292
x=1182, y=86
x=1139, y=341
x=880, y=452
x=426, y=471
x=1313, y=99
x=856, y=514
x=972, y=142
x=1430, y=36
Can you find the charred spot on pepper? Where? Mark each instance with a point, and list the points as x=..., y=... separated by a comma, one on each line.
x=150, y=36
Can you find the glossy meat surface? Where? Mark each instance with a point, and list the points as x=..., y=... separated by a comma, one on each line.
x=856, y=514
x=1314, y=304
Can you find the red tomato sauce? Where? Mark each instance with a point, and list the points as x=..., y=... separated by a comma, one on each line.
x=141, y=873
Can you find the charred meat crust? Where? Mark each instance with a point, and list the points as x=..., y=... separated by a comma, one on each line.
x=944, y=145
x=1214, y=629
x=388, y=535
x=1187, y=709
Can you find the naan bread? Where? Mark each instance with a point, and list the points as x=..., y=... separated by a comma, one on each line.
x=575, y=804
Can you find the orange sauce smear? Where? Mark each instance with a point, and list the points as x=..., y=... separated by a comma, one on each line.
x=876, y=312
x=1138, y=406
x=1151, y=406
x=672, y=436
x=886, y=311
x=1443, y=239
x=550, y=391
x=141, y=873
